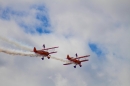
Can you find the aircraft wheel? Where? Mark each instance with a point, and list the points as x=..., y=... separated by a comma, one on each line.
x=48, y=57
x=74, y=66
x=42, y=58
x=80, y=65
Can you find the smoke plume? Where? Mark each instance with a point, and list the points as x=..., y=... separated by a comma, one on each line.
x=16, y=44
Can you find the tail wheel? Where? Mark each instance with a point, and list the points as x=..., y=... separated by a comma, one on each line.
x=48, y=57
x=74, y=66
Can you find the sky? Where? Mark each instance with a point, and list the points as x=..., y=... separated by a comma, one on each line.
x=97, y=28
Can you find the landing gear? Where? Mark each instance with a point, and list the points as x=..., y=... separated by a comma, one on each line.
x=48, y=57
x=75, y=66
x=80, y=65
x=42, y=58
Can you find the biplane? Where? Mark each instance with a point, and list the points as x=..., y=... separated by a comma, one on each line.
x=44, y=52
x=76, y=60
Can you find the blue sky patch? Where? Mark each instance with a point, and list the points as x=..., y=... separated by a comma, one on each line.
x=42, y=15
x=95, y=49
x=8, y=12
x=4, y=13
x=41, y=30
x=42, y=21
x=38, y=23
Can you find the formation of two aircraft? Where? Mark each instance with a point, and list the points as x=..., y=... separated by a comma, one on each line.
x=44, y=53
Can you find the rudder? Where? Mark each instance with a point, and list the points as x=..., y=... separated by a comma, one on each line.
x=68, y=56
x=34, y=49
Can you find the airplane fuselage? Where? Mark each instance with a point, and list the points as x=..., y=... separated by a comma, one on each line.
x=42, y=52
x=74, y=61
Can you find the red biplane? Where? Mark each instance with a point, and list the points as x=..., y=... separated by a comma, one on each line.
x=76, y=60
x=44, y=52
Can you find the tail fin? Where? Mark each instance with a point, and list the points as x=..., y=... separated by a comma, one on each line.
x=68, y=56
x=34, y=49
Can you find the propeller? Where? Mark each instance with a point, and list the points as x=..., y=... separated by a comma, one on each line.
x=43, y=45
x=76, y=55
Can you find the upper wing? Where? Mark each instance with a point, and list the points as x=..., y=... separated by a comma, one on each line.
x=82, y=57
x=84, y=60
x=67, y=63
x=49, y=48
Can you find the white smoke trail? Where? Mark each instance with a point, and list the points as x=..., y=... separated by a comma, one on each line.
x=16, y=52
x=16, y=44
x=21, y=53
x=59, y=59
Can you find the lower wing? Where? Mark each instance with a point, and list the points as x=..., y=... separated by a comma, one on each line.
x=53, y=52
x=67, y=63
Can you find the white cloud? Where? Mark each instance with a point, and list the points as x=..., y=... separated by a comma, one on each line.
x=60, y=81
x=74, y=25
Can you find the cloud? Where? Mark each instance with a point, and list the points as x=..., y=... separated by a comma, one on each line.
x=39, y=20
x=59, y=80
x=73, y=26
